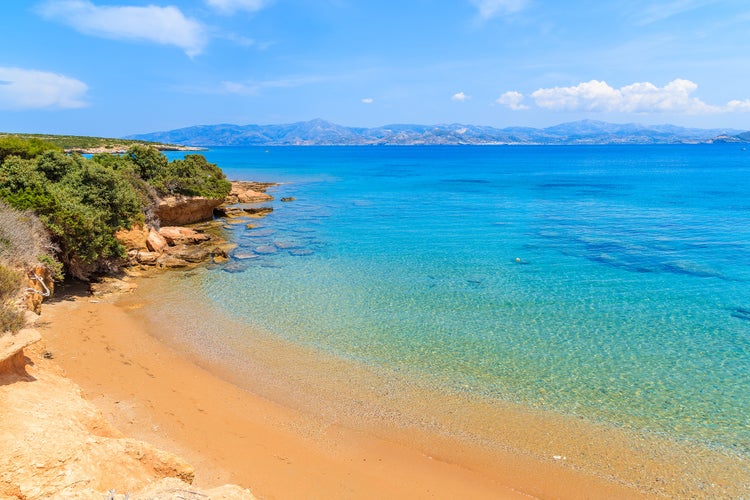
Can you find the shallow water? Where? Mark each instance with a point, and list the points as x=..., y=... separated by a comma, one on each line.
x=609, y=282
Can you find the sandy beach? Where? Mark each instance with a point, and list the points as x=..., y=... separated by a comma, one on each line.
x=156, y=391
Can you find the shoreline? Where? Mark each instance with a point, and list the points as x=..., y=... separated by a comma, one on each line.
x=279, y=427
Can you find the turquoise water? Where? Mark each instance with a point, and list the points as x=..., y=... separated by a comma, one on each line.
x=610, y=282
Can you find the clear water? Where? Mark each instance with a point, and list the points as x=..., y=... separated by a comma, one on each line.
x=610, y=282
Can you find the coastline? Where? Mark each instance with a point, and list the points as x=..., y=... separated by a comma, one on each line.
x=268, y=428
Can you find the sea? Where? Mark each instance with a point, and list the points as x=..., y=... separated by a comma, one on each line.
x=605, y=282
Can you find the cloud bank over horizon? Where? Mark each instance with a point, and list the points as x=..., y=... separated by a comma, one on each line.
x=638, y=98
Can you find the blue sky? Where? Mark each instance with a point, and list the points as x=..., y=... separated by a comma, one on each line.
x=113, y=68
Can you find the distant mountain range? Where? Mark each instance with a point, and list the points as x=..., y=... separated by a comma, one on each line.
x=322, y=133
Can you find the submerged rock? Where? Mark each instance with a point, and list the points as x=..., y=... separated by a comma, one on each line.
x=244, y=254
x=265, y=249
x=286, y=244
x=299, y=252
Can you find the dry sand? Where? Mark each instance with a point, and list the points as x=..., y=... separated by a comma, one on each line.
x=155, y=392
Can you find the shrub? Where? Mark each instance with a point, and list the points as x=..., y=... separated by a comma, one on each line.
x=11, y=145
x=192, y=176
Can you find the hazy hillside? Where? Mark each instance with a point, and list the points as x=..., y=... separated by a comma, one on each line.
x=321, y=132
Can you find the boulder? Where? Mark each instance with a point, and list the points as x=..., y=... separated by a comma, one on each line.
x=133, y=238
x=248, y=192
x=155, y=242
x=176, y=235
x=190, y=253
x=182, y=210
x=171, y=262
x=147, y=258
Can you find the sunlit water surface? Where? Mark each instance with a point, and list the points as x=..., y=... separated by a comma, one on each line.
x=610, y=282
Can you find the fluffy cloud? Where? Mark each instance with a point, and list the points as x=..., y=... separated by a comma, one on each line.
x=163, y=25
x=459, y=96
x=229, y=6
x=739, y=106
x=513, y=100
x=368, y=100
x=643, y=97
x=29, y=89
x=491, y=8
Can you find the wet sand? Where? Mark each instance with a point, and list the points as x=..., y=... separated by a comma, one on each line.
x=267, y=425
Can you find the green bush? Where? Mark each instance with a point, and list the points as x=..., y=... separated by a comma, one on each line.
x=83, y=202
x=11, y=145
x=192, y=176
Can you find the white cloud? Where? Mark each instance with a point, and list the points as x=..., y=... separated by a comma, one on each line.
x=368, y=100
x=163, y=25
x=642, y=97
x=459, y=96
x=229, y=6
x=491, y=8
x=30, y=89
x=738, y=106
x=250, y=87
x=513, y=100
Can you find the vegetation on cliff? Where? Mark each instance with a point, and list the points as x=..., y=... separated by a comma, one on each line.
x=82, y=202
x=24, y=244
x=82, y=143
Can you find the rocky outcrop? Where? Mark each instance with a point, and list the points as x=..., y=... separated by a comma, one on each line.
x=55, y=444
x=39, y=285
x=183, y=210
x=171, y=247
x=248, y=192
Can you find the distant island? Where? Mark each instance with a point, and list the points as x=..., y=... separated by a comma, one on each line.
x=323, y=133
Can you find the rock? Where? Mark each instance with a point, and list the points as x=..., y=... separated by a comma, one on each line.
x=147, y=258
x=179, y=235
x=57, y=445
x=229, y=212
x=258, y=211
x=234, y=267
x=155, y=242
x=288, y=198
x=248, y=192
x=261, y=233
x=171, y=488
x=285, y=245
x=12, y=359
x=171, y=262
x=190, y=253
x=181, y=210
x=133, y=238
x=39, y=285
x=252, y=196
x=244, y=254
x=264, y=249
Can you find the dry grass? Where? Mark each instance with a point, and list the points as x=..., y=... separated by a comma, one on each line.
x=24, y=243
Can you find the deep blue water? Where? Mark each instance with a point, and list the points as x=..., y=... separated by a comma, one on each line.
x=611, y=282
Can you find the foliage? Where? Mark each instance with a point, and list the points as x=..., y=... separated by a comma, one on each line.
x=75, y=142
x=192, y=176
x=24, y=243
x=148, y=161
x=16, y=146
x=83, y=202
